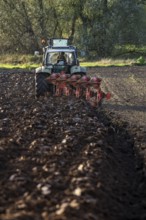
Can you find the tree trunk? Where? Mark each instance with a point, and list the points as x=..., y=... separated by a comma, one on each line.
x=71, y=37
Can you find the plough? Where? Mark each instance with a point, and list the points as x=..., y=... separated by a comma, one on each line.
x=79, y=86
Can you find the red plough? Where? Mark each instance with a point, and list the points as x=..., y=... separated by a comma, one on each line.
x=79, y=86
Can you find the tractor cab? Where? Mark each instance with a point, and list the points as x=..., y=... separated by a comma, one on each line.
x=60, y=55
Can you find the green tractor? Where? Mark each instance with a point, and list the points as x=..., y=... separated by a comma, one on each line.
x=58, y=57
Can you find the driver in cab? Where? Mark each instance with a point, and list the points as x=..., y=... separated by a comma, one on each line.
x=61, y=58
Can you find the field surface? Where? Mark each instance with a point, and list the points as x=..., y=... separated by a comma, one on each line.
x=61, y=159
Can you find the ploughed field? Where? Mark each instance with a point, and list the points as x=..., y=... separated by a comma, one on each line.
x=61, y=159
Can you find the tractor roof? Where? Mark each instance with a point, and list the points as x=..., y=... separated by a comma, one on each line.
x=58, y=45
x=59, y=49
x=58, y=42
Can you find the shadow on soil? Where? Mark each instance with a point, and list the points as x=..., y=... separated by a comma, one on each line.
x=126, y=107
x=123, y=181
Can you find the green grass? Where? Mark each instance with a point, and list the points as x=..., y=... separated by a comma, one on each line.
x=12, y=61
x=31, y=62
x=109, y=62
x=18, y=66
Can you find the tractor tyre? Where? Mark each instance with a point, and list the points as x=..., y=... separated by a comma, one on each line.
x=41, y=85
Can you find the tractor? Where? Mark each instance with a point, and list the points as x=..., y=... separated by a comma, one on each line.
x=61, y=74
x=58, y=57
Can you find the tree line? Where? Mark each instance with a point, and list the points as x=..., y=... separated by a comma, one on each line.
x=95, y=26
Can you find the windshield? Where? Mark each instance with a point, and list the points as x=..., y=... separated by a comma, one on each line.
x=62, y=58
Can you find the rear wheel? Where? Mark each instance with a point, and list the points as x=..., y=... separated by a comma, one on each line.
x=41, y=85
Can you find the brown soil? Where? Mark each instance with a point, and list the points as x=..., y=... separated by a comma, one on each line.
x=128, y=89
x=61, y=159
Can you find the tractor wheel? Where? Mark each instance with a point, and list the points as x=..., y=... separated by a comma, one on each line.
x=41, y=85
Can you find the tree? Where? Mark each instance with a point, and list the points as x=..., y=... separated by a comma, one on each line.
x=96, y=23
x=128, y=20
x=17, y=27
x=95, y=26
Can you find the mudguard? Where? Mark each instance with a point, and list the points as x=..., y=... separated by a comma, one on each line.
x=77, y=69
x=44, y=69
